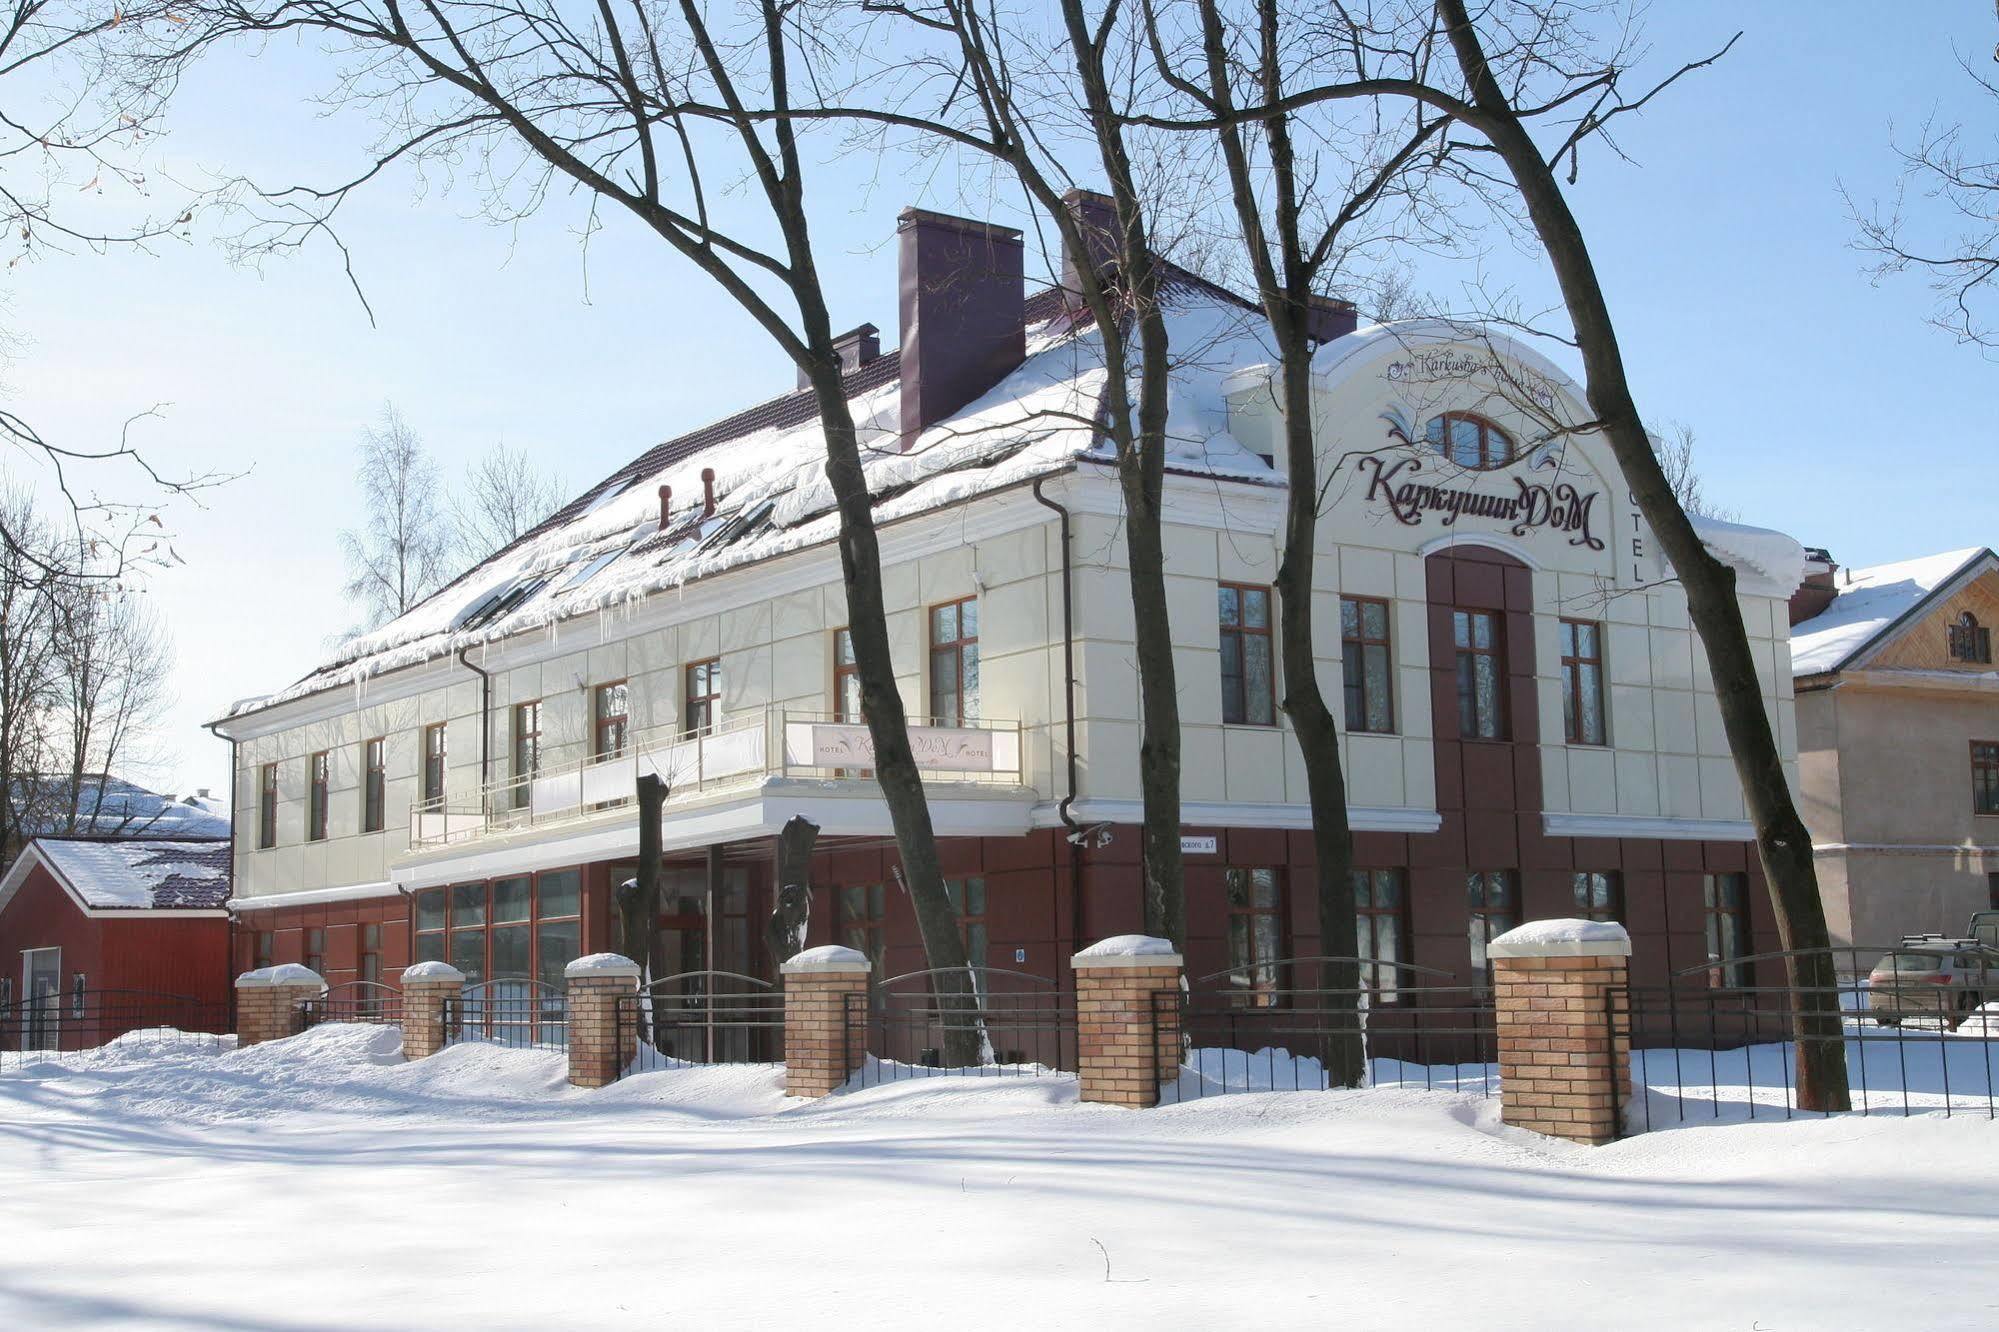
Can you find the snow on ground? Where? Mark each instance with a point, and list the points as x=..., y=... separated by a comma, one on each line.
x=321, y=1182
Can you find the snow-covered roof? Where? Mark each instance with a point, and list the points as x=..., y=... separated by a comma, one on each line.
x=1871, y=601
x=1771, y=562
x=107, y=806
x=605, y=549
x=125, y=875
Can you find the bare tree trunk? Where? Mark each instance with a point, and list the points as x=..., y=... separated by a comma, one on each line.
x=638, y=899
x=791, y=913
x=1781, y=838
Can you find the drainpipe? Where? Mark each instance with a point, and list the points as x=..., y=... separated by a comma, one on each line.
x=210, y=728
x=485, y=720
x=1069, y=719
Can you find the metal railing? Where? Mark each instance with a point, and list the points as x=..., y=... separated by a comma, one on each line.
x=742, y=750
x=515, y=1012
x=1017, y=1024
x=702, y=1017
x=64, y=1028
x=353, y=1001
x=1270, y=1028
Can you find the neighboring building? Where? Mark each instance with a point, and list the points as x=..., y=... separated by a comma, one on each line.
x=94, y=934
x=100, y=805
x=1530, y=730
x=1898, y=738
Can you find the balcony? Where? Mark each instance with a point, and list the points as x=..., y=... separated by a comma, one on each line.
x=740, y=754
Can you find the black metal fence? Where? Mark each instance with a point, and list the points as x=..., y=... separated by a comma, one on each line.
x=702, y=1017
x=1013, y=1024
x=64, y=1028
x=1917, y=1029
x=516, y=1012
x=353, y=1001
x=1274, y=1028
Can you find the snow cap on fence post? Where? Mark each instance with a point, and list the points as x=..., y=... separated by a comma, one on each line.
x=430, y=990
x=1127, y=1018
x=603, y=1017
x=267, y=1001
x=825, y=1018
x=1564, y=1028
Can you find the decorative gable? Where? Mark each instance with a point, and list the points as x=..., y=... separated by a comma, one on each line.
x=1955, y=635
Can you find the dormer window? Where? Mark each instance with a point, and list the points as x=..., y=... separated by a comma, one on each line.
x=1470, y=441
x=1970, y=641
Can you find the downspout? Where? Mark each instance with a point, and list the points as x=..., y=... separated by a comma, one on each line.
x=210, y=728
x=485, y=720
x=1069, y=720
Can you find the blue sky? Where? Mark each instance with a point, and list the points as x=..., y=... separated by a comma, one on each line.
x=1823, y=405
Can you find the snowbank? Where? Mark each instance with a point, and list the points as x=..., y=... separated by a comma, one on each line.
x=1562, y=938
x=827, y=957
x=285, y=973
x=602, y=964
x=1128, y=945
x=432, y=971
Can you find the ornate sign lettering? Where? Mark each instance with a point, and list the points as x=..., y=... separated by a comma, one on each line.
x=938, y=748
x=1558, y=505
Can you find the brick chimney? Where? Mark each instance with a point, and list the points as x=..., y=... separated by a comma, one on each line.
x=1096, y=218
x=1331, y=318
x=1818, y=590
x=963, y=306
x=857, y=347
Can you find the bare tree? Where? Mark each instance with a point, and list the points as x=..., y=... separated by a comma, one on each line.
x=28, y=677
x=113, y=660
x=504, y=495
x=1956, y=172
x=401, y=554
x=680, y=117
x=1676, y=460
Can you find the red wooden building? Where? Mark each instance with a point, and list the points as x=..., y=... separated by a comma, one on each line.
x=99, y=937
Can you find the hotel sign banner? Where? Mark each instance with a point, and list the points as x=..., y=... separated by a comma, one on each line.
x=1534, y=505
x=937, y=748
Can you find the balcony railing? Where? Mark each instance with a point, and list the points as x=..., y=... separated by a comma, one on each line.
x=742, y=751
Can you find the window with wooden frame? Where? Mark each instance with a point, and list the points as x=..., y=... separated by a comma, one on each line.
x=1582, y=682
x=318, y=770
x=315, y=950
x=1725, y=900
x=1985, y=776
x=862, y=920
x=433, y=763
x=527, y=750
x=1367, y=665
x=1481, y=675
x=1380, y=931
x=846, y=679
x=374, y=784
x=371, y=953
x=968, y=899
x=1249, y=676
x=612, y=712
x=267, y=807
x=1256, y=934
x=1969, y=640
x=704, y=695
x=1599, y=895
x=264, y=947
x=1494, y=905
x=521, y=927
x=1470, y=441
x=954, y=662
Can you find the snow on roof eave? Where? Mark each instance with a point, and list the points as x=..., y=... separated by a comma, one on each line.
x=1979, y=560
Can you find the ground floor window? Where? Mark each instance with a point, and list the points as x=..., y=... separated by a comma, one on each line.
x=862, y=915
x=1256, y=934
x=315, y=951
x=371, y=953
x=1599, y=895
x=1379, y=902
x=1495, y=909
x=968, y=899
x=265, y=948
x=1726, y=899
x=526, y=926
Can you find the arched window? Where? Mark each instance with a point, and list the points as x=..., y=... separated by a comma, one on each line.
x=1970, y=641
x=1469, y=441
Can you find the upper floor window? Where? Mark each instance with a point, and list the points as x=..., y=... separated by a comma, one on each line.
x=704, y=694
x=954, y=662
x=267, y=806
x=318, y=772
x=1366, y=664
x=374, y=784
x=433, y=762
x=1726, y=900
x=527, y=750
x=1970, y=640
x=1582, y=682
x=1249, y=693
x=1256, y=934
x=1598, y=895
x=1985, y=776
x=1469, y=441
x=613, y=718
x=1494, y=906
x=1481, y=675
x=846, y=678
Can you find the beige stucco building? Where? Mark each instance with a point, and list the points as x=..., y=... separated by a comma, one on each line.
x=1898, y=740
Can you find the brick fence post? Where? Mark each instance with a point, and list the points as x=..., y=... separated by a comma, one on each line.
x=825, y=1027
x=1125, y=1037
x=428, y=988
x=1564, y=1046
x=267, y=1001
x=600, y=1047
